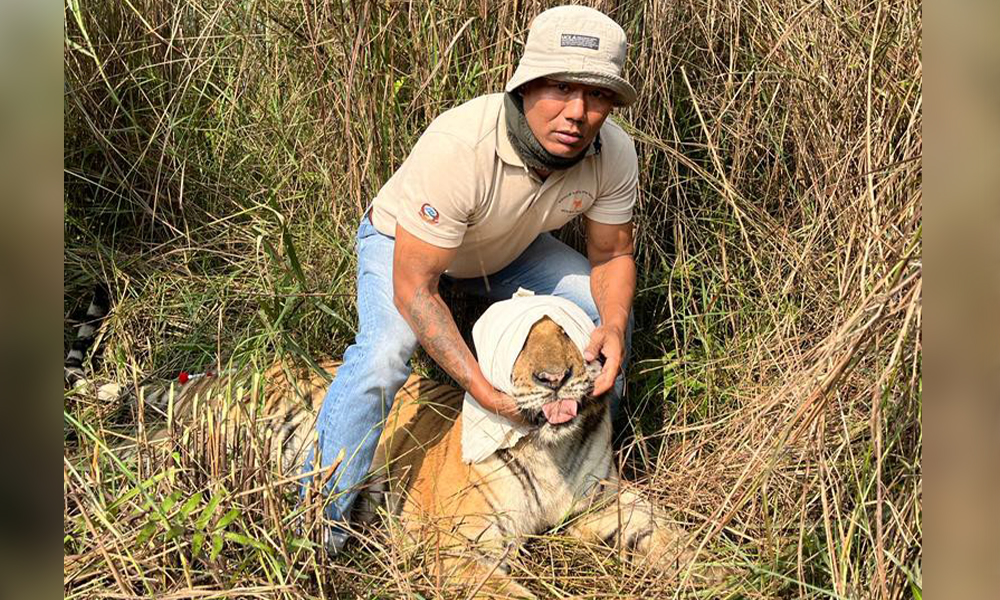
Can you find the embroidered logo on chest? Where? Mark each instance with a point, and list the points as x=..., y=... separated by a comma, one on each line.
x=575, y=202
x=429, y=214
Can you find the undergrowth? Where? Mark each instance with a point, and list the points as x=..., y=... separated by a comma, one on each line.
x=218, y=156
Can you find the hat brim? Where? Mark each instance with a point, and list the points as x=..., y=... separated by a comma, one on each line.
x=625, y=94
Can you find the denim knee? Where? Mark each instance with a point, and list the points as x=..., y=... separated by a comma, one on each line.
x=385, y=358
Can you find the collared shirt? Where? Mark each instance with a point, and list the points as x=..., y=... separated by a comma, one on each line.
x=464, y=186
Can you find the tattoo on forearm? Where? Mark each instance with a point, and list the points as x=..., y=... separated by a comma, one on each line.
x=435, y=328
x=613, y=285
x=600, y=287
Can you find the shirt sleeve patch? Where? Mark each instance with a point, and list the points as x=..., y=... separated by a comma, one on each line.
x=429, y=214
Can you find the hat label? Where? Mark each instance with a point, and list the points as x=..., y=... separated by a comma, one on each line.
x=576, y=40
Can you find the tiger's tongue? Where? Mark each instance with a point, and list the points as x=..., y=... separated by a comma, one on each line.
x=559, y=411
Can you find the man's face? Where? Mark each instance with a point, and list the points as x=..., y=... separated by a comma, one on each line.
x=565, y=117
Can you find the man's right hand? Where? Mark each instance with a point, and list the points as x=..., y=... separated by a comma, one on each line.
x=503, y=405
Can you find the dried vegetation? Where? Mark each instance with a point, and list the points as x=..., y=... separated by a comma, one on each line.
x=218, y=156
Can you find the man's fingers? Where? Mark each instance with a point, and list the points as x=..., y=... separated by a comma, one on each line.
x=611, y=347
x=596, y=341
x=507, y=407
x=603, y=384
x=606, y=379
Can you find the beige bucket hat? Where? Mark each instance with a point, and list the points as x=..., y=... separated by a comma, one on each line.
x=576, y=44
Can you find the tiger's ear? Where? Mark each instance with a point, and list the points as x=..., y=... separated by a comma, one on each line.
x=593, y=370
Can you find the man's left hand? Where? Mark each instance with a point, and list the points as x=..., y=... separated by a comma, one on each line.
x=609, y=342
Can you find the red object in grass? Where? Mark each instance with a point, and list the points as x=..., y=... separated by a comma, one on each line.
x=185, y=377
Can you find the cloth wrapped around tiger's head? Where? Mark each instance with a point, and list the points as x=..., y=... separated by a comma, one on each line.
x=531, y=348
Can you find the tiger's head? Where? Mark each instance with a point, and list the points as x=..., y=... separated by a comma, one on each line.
x=552, y=385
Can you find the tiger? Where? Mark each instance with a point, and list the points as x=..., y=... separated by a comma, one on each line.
x=477, y=515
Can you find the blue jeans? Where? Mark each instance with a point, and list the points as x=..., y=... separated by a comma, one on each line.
x=377, y=364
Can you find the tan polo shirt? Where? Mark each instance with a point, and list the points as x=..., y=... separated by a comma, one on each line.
x=464, y=186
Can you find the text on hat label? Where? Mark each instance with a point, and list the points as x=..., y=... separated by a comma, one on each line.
x=577, y=40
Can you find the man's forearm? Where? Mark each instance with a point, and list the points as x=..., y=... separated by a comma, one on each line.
x=612, y=284
x=432, y=322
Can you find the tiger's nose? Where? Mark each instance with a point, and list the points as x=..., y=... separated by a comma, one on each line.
x=553, y=379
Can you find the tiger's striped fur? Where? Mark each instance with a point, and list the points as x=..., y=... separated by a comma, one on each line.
x=479, y=514
x=475, y=515
x=74, y=373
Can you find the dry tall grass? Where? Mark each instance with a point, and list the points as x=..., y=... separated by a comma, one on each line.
x=218, y=156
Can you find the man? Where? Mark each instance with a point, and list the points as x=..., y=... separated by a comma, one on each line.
x=471, y=206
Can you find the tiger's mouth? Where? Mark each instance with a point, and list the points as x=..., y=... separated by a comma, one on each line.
x=557, y=406
x=557, y=413
x=561, y=411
